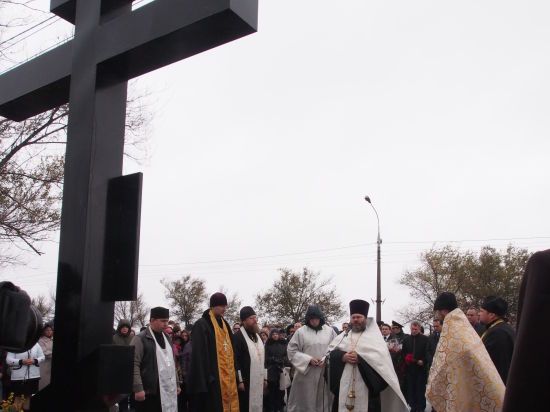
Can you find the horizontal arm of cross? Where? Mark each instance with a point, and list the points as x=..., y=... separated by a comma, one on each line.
x=66, y=9
x=151, y=37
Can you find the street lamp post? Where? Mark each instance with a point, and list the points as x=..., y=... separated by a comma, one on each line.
x=378, y=279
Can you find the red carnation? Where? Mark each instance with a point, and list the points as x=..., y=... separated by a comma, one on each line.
x=409, y=359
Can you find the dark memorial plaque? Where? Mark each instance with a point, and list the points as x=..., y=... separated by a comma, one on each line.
x=111, y=45
x=122, y=224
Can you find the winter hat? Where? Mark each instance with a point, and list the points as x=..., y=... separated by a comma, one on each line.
x=246, y=312
x=218, y=299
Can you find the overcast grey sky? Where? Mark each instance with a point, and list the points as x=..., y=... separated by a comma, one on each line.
x=262, y=150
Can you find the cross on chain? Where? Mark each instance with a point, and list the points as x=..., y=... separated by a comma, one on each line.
x=112, y=44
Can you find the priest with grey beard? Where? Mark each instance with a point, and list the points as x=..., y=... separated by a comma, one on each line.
x=362, y=377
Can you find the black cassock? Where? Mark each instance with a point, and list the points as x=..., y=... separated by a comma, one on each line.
x=499, y=342
x=203, y=383
x=242, y=363
x=375, y=383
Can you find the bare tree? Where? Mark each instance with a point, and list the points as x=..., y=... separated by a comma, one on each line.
x=136, y=311
x=30, y=178
x=470, y=276
x=287, y=300
x=44, y=305
x=32, y=161
x=31, y=172
x=186, y=297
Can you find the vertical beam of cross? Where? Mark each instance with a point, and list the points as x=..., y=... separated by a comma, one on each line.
x=94, y=155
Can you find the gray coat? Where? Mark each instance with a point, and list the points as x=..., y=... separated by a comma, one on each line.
x=145, y=362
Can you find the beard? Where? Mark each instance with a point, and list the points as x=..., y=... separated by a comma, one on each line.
x=253, y=329
x=359, y=328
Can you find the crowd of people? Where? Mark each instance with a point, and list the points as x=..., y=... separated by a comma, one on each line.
x=462, y=365
x=366, y=366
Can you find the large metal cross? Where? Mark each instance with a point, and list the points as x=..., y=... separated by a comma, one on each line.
x=111, y=45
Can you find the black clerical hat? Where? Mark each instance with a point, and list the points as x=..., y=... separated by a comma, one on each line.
x=359, y=306
x=218, y=299
x=495, y=305
x=160, y=313
x=246, y=312
x=446, y=301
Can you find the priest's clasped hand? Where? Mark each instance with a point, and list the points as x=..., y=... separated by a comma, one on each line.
x=350, y=357
x=317, y=362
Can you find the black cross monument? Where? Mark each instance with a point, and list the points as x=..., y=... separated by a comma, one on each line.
x=111, y=45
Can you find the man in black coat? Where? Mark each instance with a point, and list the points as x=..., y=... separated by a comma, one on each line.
x=275, y=360
x=208, y=391
x=499, y=337
x=415, y=354
x=433, y=340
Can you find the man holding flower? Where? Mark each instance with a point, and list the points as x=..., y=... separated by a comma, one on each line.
x=415, y=350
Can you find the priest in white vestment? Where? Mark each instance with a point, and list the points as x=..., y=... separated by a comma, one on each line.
x=306, y=351
x=362, y=377
x=248, y=350
x=156, y=387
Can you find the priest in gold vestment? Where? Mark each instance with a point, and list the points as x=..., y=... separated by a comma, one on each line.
x=463, y=376
x=212, y=380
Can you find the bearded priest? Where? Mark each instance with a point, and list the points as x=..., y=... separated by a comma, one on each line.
x=249, y=362
x=362, y=377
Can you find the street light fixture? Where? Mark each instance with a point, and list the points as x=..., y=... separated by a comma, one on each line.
x=378, y=279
